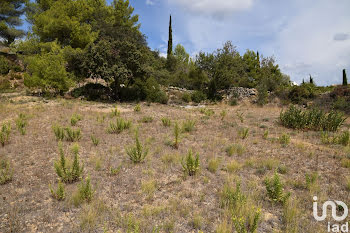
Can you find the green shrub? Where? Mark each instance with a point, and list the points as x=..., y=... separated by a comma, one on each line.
x=48, y=73
x=72, y=135
x=186, y=97
x=6, y=171
x=59, y=194
x=344, y=138
x=314, y=119
x=310, y=180
x=302, y=93
x=59, y=132
x=342, y=104
x=198, y=96
x=119, y=126
x=5, y=84
x=176, y=135
x=74, y=119
x=21, y=123
x=191, y=163
x=5, y=133
x=262, y=95
x=249, y=225
x=137, y=108
x=95, y=140
x=147, y=119
x=233, y=101
x=4, y=66
x=243, y=133
x=274, y=189
x=86, y=192
x=284, y=139
x=115, y=112
x=66, y=170
x=240, y=116
x=137, y=153
x=188, y=125
x=166, y=122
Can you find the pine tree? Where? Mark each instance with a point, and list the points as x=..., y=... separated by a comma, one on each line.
x=170, y=42
x=345, y=79
x=10, y=13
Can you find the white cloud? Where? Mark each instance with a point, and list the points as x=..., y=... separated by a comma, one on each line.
x=150, y=2
x=213, y=7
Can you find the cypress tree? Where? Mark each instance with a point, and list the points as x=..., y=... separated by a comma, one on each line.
x=170, y=41
x=258, y=58
x=345, y=79
x=311, y=79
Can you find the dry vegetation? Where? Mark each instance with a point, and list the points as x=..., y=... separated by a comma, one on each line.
x=240, y=148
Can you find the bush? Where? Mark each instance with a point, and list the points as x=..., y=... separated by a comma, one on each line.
x=235, y=149
x=262, y=95
x=47, y=72
x=186, y=97
x=274, y=189
x=137, y=153
x=115, y=112
x=4, y=65
x=314, y=119
x=147, y=119
x=213, y=165
x=191, y=164
x=6, y=172
x=299, y=94
x=119, y=126
x=86, y=192
x=66, y=170
x=4, y=84
x=176, y=135
x=198, y=96
x=5, y=133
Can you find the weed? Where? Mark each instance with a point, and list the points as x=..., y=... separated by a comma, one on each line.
x=176, y=135
x=5, y=133
x=146, y=119
x=72, y=135
x=149, y=187
x=166, y=122
x=291, y=216
x=115, y=112
x=311, y=181
x=274, y=188
x=284, y=139
x=95, y=140
x=119, y=126
x=191, y=163
x=188, y=125
x=6, y=171
x=237, y=149
x=59, y=193
x=249, y=224
x=213, y=165
x=137, y=153
x=240, y=116
x=207, y=112
x=115, y=171
x=243, y=133
x=67, y=171
x=137, y=108
x=86, y=192
x=75, y=119
x=233, y=166
x=266, y=134
x=21, y=123
x=223, y=114
x=59, y=132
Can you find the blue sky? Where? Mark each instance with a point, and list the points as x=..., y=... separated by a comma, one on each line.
x=305, y=36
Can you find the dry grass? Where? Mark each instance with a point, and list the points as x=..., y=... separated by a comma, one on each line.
x=155, y=195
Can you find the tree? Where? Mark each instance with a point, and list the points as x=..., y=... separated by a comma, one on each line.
x=69, y=22
x=170, y=41
x=10, y=13
x=311, y=80
x=345, y=79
